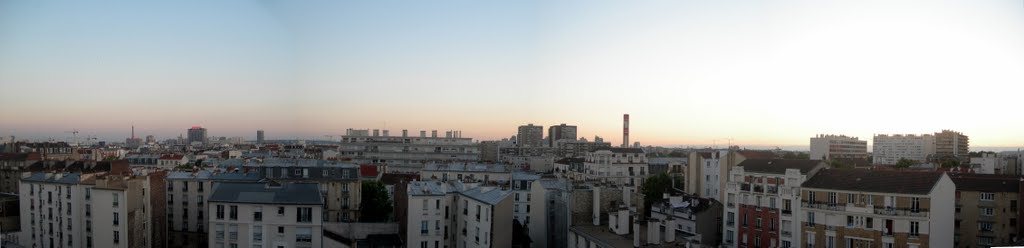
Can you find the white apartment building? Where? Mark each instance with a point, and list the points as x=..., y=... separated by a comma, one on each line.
x=622, y=166
x=762, y=202
x=91, y=210
x=266, y=215
x=874, y=208
x=987, y=164
x=363, y=147
x=826, y=147
x=889, y=149
x=187, y=192
x=529, y=207
x=467, y=172
x=457, y=215
x=704, y=173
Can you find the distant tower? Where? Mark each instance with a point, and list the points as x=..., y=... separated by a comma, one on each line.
x=625, y=130
x=133, y=131
x=259, y=136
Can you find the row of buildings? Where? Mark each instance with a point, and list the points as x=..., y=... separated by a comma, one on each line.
x=889, y=149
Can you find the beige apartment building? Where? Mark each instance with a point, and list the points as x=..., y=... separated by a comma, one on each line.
x=987, y=210
x=870, y=208
x=952, y=144
x=826, y=147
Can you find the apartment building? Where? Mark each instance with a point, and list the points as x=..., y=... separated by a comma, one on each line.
x=872, y=208
x=706, y=168
x=339, y=182
x=987, y=210
x=697, y=219
x=186, y=196
x=528, y=206
x=988, y=164
x=761, y=207
x=827, y=147
x=561, y=132
x=47, y=150
x=90, y=210
x=467, y=172
x=267, y=214
x=364, y=148
x=11, y=167
x=530, y=136
x=951, y=144
x=454, y=214
x=889, y=149
x=621, y=166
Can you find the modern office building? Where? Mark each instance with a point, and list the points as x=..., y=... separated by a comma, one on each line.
x=827, y=147
x=889, y=149
x=877, y=208
x=266, y=214
x=530, y=136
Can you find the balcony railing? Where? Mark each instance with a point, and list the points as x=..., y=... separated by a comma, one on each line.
x=901, y=212
x=823, y=206
x=787, y=234
x=787, y=211
x=730, y=223
x=758, y=188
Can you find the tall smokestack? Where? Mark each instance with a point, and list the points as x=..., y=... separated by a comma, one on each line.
x=625, y=130
x=133, y=131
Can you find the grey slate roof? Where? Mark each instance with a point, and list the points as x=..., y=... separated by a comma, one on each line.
x=779, y=166
x=522, y=175
x=70, y=178
x=489, y=195
x=986, y=183
x=286, y=194
x=428, y=188
x=903, y=182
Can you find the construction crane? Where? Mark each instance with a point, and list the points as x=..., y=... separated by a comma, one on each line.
x=74, y=133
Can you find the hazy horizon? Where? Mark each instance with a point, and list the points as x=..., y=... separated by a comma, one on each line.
x=759, y=73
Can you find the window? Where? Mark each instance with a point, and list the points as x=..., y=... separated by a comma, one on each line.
x=233, y=231
x=280, y=229
x=234, y=212
x=810, y=219
x=832, y=198
x=830, y=241
x=988, y=196
x=915, y=204
x=424, y=205
x=987, y=211
x=758, y=223
x=985, y=226
x=810, y=197
x=1013, y=205
x=786, y=203
x=915, y=228
x=116, y=220
x=304, y=215
x=257, y=214
x=115, y=199
x=437, y=204
x=184, y=186
x=869, y=223
x=117, y=237
x=220, y=212
x=200, y=188
x=303, y=234
x=423, y=227
x=850, y=198
x=280, y=210
x=257, y=233
x=218, y=231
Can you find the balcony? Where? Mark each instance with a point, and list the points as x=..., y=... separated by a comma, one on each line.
x=787, y=234
x=823, y=206
x=773, y=190
x=787, y=212
x=901, y=212
x=758, y=189
x=730, y=223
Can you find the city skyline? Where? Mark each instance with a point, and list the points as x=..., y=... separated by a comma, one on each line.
x=687, y=73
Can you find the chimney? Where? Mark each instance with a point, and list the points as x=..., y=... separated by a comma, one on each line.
x=405, y=132
x=597, y=206
x=625, y=130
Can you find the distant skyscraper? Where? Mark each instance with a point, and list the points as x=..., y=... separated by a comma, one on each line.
x=530, y=136
x=197, y=134
x=259, y=136
x=561, y=132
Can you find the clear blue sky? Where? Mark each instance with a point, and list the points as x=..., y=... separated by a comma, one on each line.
x=761, y=72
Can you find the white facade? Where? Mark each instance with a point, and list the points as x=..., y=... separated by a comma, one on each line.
x=622, y=166
x=826, y=147
x=405, y=149
x=468, y=214
x=265, y=223
x=987, y=164
x=529, y=207
x=889, y=149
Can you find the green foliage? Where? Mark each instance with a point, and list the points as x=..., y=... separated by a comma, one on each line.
x=950, y=163
x=836, y=164
x=796, y=155
x=904, y=163
x=655, y=186
x=375, y=206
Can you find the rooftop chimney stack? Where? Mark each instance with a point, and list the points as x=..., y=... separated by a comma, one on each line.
x=625, y=130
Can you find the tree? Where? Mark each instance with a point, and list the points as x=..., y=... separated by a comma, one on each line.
x=950, y=163
x=796, y=155
x=375, y=206
x=904, y=163
x=654, y=188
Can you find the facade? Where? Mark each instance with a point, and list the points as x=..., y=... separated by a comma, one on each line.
x=987, y=164
x=47, y=150
x=339, y=182
x=172, y=160
x=987, y=210
x=266, y=215
x=197, y=134
x=872, y=208
x=697, y=219
x=90, y=210
x=561, y=132
x=827, y=147
x=889, y=149
x=10, y=217
x=528, y=206
x=621, y=166
x=11, y=167
x=704, y=172
x=952, y=145
x=363, y=148
x=530, y=136
x=186, y=195
x=762, y=202
x=454, y=214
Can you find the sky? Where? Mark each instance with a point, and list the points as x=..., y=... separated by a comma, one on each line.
x=687, y=72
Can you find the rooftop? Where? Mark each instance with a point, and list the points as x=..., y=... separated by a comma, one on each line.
x=903, y=182
x=779, y=166
x=986, y=182
x=619, y=150
x=61, y=178
x=467, y=167
x=489, y=195
x=266, y=193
